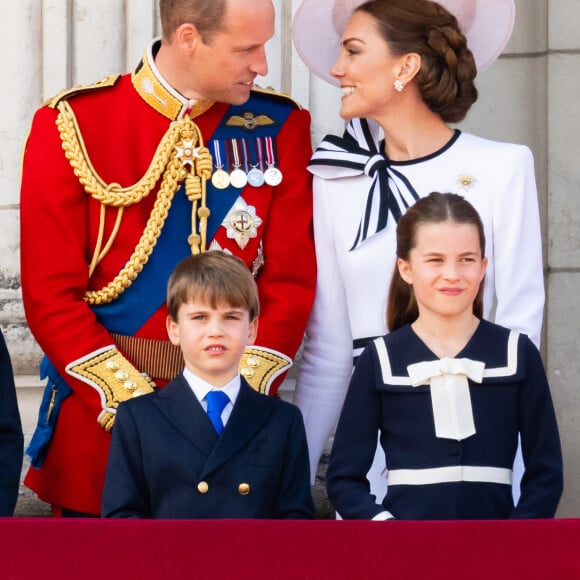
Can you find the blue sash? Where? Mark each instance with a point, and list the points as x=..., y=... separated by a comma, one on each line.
x=134, y=307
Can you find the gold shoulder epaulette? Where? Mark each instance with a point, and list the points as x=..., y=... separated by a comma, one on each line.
x=269, y=91
x=52, y=102
x=260, y=366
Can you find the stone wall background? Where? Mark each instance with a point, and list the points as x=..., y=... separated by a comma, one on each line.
x=529, y=95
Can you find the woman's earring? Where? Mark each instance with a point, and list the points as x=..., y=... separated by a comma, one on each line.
x=399, y=85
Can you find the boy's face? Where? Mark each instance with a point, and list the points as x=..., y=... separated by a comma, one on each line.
x=212, y=339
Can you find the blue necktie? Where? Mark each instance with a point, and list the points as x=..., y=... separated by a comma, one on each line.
x=216, y=401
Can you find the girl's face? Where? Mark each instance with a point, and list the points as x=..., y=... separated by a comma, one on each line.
x=366, y=69
x=445, y=268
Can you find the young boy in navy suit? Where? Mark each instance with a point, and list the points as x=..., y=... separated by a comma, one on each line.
x=167, y=459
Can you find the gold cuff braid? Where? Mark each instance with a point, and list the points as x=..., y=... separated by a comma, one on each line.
x=260, y=366
x=115, y=378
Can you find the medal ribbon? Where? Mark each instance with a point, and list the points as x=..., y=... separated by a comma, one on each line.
x=245, y=153
x=260, y=152
x=255, y=174
x=236, y=154
x=217, y=154
x=270, y=152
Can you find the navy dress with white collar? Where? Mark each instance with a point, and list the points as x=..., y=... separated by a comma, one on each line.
x=433, y=477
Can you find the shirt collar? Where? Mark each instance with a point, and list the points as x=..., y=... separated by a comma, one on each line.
x=201, y=388
x=158, y=93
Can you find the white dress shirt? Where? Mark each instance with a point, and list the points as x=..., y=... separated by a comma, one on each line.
x=201, y=388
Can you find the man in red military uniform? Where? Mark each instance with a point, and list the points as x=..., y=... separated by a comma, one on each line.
x=123, y=179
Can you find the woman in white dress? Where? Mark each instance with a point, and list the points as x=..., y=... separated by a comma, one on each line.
x=407, y=70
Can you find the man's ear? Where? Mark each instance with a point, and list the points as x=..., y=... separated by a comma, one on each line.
x=187, y=37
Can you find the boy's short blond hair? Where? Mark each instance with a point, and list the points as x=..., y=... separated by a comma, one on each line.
x=214, y=277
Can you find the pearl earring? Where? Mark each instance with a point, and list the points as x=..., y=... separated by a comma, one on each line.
x=399, y=85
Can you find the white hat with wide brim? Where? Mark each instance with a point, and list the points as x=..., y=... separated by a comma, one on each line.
x=318, y=26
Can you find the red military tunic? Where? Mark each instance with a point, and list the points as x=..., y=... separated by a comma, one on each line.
x=121, y=124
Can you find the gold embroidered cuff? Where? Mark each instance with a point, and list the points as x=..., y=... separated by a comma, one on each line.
x=260, y=366
x=114, y=378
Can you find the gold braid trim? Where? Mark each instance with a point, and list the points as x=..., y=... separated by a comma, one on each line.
x=180, y=155
x=114, y=378
x=260, y=366
x=144, y=248
x=112, y=193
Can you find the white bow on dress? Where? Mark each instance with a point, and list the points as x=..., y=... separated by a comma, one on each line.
x=450, y=396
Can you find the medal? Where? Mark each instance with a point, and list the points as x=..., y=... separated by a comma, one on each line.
x=272, y=175
x=255, y=177
x=220, y=178
x=242, y=223
x=238, y=176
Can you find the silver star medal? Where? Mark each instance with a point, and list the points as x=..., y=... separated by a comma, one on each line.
x=242, y=223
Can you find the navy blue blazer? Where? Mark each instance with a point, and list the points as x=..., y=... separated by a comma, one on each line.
x=167, y=461
x=11, y=438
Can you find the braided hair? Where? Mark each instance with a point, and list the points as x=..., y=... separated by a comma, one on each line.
x=448, y=70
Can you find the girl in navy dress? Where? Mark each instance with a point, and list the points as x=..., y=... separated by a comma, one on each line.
x=407, y=70
x=448, y=391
